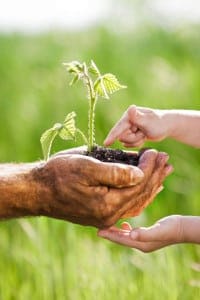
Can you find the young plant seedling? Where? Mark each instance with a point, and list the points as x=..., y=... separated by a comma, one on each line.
x=97, y=85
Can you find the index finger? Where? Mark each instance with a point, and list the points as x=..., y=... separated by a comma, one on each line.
x=121, y=126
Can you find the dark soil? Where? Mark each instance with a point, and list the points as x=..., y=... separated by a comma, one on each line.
x=115, y=155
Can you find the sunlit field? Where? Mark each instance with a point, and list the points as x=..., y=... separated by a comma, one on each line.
x=48, y=259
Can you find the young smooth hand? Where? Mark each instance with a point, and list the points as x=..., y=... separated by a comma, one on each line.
x=167, y=231
x=139, y=124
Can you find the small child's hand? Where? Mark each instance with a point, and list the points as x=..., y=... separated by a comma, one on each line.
x=137, y=125
x=165, y=232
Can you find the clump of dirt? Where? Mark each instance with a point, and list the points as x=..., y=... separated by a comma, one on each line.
x=115, y=155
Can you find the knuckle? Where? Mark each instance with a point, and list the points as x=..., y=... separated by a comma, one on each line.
x=130, y=110
x=120, y=175
x=105, y=210
x=107, y=222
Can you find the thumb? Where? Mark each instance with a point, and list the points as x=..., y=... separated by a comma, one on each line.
x=137, y=117
x=147, y=234
x=117, y=175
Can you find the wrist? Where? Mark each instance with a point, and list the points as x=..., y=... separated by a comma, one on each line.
x=170, y=120
x=190, y=229
x=19, y=191
x=178, y=121
x=43, y=177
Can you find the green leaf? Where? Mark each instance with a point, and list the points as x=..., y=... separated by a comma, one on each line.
x=107, y=84
x=74, y=67
x=47, y=139
x=100, y=89
x=93, y=69
x=74, y=79
x=111, y=83
x=68, y=130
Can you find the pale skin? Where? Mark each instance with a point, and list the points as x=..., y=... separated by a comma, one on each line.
x=77, y=188
x=137, y=125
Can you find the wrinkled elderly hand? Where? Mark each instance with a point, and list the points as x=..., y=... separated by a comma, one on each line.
x=84, y=190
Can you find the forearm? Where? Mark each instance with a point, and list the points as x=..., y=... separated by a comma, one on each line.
x=19, y=192
x=184, y=126
x=190, y=229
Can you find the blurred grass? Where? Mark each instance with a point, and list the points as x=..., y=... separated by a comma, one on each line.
x=50, y=259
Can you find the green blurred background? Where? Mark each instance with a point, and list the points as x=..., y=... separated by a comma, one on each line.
x=49, y=259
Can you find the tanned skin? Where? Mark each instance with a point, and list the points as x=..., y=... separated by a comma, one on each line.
x=81, y=189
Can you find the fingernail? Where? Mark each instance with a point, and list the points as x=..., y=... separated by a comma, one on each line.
x=134, y=234
x=164, y=156
x=160, y=189
x=105, y=142
x=169, y=169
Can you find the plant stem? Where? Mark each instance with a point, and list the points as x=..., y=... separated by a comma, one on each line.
x=92, y=104
x=82, y=135
x=91, y=125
